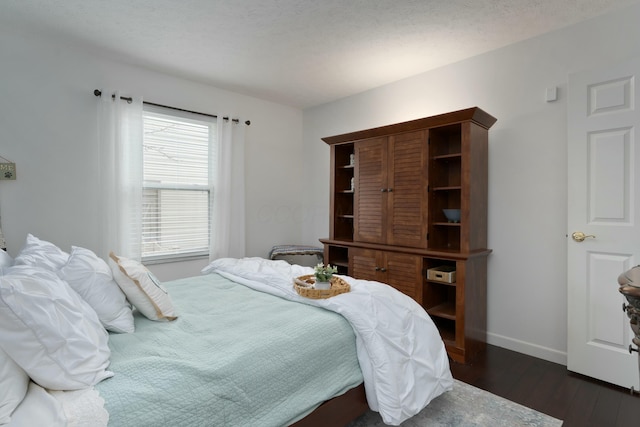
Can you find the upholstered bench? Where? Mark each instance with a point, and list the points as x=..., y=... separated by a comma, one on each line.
x=286, y=250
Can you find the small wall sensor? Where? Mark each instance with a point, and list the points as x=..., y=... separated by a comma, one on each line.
x=551, y=94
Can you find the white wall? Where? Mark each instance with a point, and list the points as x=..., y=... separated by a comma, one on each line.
x=48, y=128
x=527, y=296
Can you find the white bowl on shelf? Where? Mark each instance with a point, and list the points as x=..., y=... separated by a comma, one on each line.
x=453, y=215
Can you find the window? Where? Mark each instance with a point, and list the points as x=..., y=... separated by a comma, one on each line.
x=177, y=184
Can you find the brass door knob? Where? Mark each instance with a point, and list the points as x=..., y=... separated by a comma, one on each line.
x=579, y=236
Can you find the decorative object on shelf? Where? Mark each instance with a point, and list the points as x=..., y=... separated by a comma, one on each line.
x=453, y=215
x=352, y=159
x=7, y=170
x=443, y=273
x=353, y=184
x=305, y=286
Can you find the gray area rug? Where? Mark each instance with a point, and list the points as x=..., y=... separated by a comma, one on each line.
x=466, y=406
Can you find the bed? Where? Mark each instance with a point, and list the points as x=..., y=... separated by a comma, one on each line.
x=234, y=346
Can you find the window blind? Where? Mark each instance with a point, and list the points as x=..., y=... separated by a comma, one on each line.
x=176, y=217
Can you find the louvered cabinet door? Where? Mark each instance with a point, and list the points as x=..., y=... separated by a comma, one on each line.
x=364, y=264
x=404, y=272
x=400, y=270
x=407, y=201
x=371, y=176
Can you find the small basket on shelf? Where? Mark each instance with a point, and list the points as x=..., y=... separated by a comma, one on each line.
x=304, y=286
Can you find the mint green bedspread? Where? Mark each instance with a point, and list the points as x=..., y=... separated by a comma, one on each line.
x=234, y=357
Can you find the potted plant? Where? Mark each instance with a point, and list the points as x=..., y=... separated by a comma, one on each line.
x=323, y=275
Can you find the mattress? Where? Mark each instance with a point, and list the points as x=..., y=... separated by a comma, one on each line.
x=233, y=357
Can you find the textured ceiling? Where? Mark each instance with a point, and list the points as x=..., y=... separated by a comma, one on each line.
x=297, y=52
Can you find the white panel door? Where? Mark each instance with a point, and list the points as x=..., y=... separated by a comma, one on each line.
x=604, y=204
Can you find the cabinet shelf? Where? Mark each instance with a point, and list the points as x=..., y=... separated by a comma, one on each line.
x=448, y=336
x=446, y=310
x=346, y=216
x=337, y=256
x=447, y=156
x=449, y=188
x=435, y=282
x=447, y=224
x=447, y=329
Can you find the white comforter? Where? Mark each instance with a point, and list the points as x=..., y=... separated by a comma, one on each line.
x=401, y=354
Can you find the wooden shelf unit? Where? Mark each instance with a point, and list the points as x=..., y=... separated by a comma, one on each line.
x=390, y=226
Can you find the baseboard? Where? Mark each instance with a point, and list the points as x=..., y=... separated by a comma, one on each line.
x=530, y=349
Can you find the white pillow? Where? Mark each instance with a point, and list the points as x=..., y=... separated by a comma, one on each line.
x=41, y=408
x=40, y=253
x=91, y=277
x=50, y=331
x=13, y=386
x=5, y=259
x=142, y=288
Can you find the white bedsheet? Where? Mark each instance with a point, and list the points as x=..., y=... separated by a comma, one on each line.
x=401, y=354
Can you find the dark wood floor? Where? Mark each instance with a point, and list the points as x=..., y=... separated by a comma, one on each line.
x=548, y=387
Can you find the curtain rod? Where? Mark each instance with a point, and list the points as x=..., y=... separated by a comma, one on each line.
x=97, y=92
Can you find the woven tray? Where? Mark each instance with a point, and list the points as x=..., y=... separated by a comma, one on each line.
x=304, y=287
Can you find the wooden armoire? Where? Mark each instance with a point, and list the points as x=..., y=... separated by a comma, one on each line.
x=389, y=186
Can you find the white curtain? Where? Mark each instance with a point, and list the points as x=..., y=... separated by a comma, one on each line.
x=120, y=135
x=228, y=231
